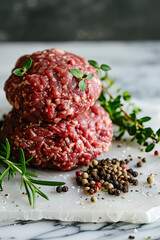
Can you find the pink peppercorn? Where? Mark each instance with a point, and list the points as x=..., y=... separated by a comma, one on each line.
x=125, y=167
x=86, y=162
x=78, y=173
x=156, y=153
x=91, y=191
x=98, y=184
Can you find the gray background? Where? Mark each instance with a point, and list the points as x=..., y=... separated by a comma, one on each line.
x=63, y=20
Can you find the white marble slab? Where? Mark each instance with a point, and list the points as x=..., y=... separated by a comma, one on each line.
x=140, y=206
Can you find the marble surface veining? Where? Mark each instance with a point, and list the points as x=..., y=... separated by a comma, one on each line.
x=135, y=66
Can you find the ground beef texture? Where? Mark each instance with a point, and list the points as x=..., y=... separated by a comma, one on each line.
x=48, y=91
x=64, y=145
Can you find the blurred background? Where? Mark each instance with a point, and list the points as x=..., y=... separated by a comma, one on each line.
x=66, y=20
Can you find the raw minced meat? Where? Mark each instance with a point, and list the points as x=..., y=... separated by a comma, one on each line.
x=64, y=145
x=48, y=91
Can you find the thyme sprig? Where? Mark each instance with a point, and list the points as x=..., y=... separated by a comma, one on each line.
x=79, y=74
x=28, y=180
x=21, y=71
x=127, y=121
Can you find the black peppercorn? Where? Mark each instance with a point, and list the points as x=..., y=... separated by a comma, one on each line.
x=59, y=189
x=65, y=189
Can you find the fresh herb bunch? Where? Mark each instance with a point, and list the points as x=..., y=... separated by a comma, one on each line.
x=79, y=74
x=27, y=178
x=24, y=69
x=127, y=121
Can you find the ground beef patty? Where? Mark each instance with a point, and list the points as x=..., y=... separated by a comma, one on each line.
x=64, y=145
x=48, y=91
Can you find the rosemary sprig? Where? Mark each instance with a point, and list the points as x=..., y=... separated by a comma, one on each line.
x=24, y=69
x=127, y=121
x=79, y=74
x=27, y=180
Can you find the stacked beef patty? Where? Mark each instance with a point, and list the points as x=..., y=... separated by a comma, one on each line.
x=55, y=122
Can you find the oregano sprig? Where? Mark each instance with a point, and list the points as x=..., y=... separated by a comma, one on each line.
x=21, y=71
x=80, y=75
x=116, y=107
x=28, y=180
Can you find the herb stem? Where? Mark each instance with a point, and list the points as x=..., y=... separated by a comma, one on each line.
x=127, y=116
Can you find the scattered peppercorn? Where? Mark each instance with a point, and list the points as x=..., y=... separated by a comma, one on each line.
x=93, y=199
x=150, y=179
x=144, y=160
x=65, y=189
x=59, y=189
x=139, y=164
x=131, y=237
x=156, y=153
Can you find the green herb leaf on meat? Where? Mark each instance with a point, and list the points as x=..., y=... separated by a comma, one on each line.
x=24, y=69
x=82, y=85
x=27, y=64
x=80, y=75
x=77, y=73
x=18, y=72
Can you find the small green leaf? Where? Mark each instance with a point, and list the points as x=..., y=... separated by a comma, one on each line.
x=133, y=117
x=47, y=183
x=93, y=63
x=89, y=76
x=105, y=67
x=28, y=193
x=18, y=72
x=82, y=85
x=76, y=72
x=4, y=173
x=150, y=147
x=22, y=157
x=126, y=96
x=1, y=187
x=8, y=150
x=27, y=64
x=158, y=132
x=132, y=130
x=144, y=119
x=148, y=132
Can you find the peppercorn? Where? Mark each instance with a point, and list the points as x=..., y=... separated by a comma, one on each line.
x=93, y=199
x=144, y=160
x=134, y=174
x=98, y=185
x=150, y=179
x=135, y=182
x=94, y=162
x=139, y=164
x=59, y=189
x=79, y=180
x=85, y=175
x=91, y=190
x=111, y=191
x=78, y=173
x=86, y=189
x=84, y=181
x=156, y=153
x=117, y=192
x=65, y=189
